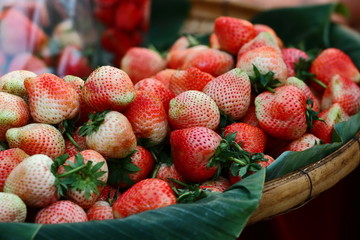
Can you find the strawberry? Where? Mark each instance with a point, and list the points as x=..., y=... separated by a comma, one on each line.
x=265, y=59
x=108, y=88
x=250, y=138
x=164, y=76
x=193, y=109
x=63, y=211
x=13, y=82
x=110, y=134
x=140, y=63
x=212, y=61
x=148, y=118
x=28, y=61
x=214, y=41
x=75, y=143
x=306, y=141
x=181, y=43
x=101, y=210
x=332, y=61
x=261, y=40
x=231, y=93
x=343, y=91
x=65, y=34
x=109, y=194
x=14, y=112
x=190, y=79
x=331, y=116
x=132, y=169
x=233, y=33
x=291, y=57
x=12, y=208
x=127, y=16
x=167, y=172
x=9, y=159
x=265, y=28
x=86, y=197
x=33, y=181
x=282, y=114
x=148, y=194
x=51, y=99
x=217, y=185
x=37, y=138
x=250, y=116
x=157, y=87
x=25, y=37
x=178, y=57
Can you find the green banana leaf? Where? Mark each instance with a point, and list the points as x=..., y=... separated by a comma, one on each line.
x=219, y=216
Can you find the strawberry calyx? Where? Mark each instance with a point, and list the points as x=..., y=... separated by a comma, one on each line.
x=79, y=175
x=190, y=193
x=225, y=120
x=96, y=119
x=302, y=71
x=263, y=82
x=311, y=115
x=193, y=41
x=68, y=128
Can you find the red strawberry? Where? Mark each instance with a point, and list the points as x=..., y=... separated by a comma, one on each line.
x=37, y=138
x=233, y=33
x=265, y=59
x=250, y=116
x=128, y=15
x=110, y=134
x=51, y=99
x=330, y=62
x=140, y=63
x=164, y=76
x=192, y=149
x=101, y=210
x=190, y=79
x=148, y=194
x=282, y=114
x=193, y=109
x=85, y=198
x=217, y=185
x=12, y=208
x=261, y=40
x=343, y=91
x=105, y=14
x=176, y=58
x=33, y=181
x=157, y=87
x=291, y=57
x=212, y=61
x=214, y=41
x=28, y=61
x=9, y=159
x=61, y=212
x=250, y=138
x=231, y=93
x=306, y=141
x=14, y=112
x=167, y=172
x=13, y=82
x=108, y=88
x=331, y=116
x=148, y=118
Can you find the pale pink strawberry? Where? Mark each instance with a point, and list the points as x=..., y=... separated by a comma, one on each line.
x=282, y=114
x=231, y=92
x=140, y=63
x=157, y=87
x=13, y=82
x=261, y=40
x=63, y=211
x=33, y=181
x=191, y=78
x=265, y=59
x=212, y=61
x=265, y=28
x=292, y=56
x=176, y=58
x=164, y=76
x=343, y=91
x=66, y=34
x=250, y=116
x=101, y=210
x=216, y=185
x=193, y=109
x=114, y=138
x=14, y=112
x=306, y=141
x=28, y=61
x=9, y=159
x=80, y=197
x=51, y=99
x=181, y=43
x=167, y=172
x=108, y=88
x=37, y=138
x=148, y=194
x=12, y=208
x=331, y=116
x=148, y=117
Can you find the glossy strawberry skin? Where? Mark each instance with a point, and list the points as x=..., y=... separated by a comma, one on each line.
x=148, y=194
x=192, y=149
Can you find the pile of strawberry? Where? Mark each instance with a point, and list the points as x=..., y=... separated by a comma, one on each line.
x=164, y=130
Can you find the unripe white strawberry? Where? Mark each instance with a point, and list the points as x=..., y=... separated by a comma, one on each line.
x=12, y=208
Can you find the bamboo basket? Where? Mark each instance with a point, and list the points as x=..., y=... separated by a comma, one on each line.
x=293, y=190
